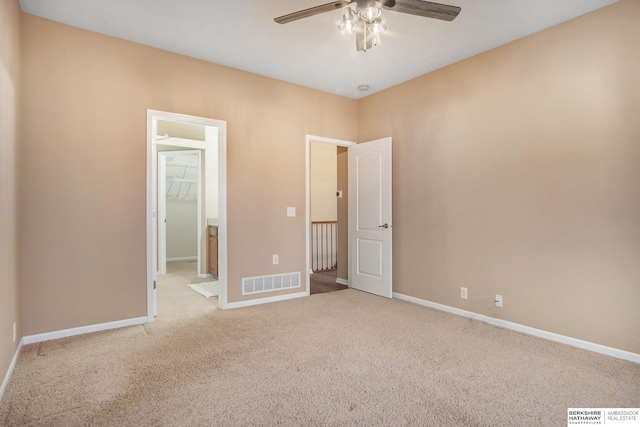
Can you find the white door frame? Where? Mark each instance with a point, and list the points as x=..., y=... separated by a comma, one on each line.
x=308, y=140
x=162, y=208
x=152, y=201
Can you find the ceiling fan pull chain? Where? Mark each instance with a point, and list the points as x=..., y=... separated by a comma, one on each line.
x=364, y=36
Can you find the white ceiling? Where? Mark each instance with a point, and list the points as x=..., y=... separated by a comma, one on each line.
x=312, y=52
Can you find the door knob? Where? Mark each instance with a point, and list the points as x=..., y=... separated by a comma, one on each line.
x=384, y=226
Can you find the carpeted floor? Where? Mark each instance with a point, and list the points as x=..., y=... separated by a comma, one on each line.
x=332, y=359
x=176, y=300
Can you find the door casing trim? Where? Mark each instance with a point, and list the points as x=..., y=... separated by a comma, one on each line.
x=221, y=125
x=308, y=140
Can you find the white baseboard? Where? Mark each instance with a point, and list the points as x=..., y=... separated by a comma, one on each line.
x=83, y=330
x=205, y=276
x=258, y=301
x=185, y=258
x=3, y=387
x=586, y=345
x=340, y=281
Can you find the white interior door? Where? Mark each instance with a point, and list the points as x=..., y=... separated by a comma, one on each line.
x=370, y=231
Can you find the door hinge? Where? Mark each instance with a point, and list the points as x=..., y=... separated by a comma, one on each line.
x=154, y=285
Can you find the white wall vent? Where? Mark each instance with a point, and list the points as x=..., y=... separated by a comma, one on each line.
x=276, y=282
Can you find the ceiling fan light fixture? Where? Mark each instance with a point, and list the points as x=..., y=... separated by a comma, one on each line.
x=349, y=21
x=369, y=13
x=347, y=27
x=377, y=27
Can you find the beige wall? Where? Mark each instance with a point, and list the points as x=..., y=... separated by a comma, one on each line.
x=323, y=177
x=517, y=172
x=85, y=98
x=9, y=89
x=182, y=207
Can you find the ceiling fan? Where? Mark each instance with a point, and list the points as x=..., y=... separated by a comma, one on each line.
x=366, y=19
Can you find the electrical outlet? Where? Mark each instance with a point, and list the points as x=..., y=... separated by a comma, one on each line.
x=275, y=259
x=463, y=293
x=498, y=300
x=14, y=332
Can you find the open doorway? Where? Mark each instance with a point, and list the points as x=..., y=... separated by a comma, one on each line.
x=180, y=257
x=186, y=199
x=327, y=214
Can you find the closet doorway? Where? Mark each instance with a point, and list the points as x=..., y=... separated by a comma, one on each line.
x=186, y=176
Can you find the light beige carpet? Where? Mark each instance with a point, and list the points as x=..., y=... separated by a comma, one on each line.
x=336, y=359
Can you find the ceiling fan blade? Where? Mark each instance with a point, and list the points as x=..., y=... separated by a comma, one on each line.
x=360, y=38
x=305, y=13
x=423, y=8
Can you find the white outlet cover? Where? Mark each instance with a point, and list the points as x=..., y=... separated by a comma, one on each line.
x=291, y=212
x=275, y=259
